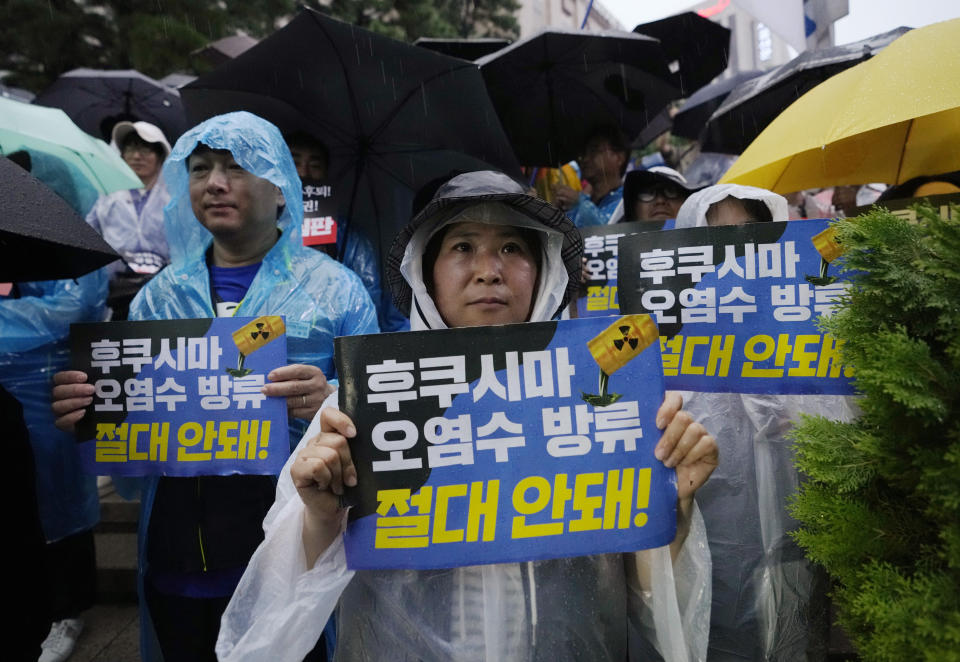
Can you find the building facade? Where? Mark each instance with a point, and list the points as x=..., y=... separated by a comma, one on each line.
x=536, y=15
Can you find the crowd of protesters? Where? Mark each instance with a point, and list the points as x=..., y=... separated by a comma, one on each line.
x=215, y=231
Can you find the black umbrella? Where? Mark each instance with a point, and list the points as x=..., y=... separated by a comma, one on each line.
x=393, y=116
x=97, y=99
x=553, y=89
x=41, y=236
x=697, y=49
x=691, y=121
x=751, y=106
x=465, y=49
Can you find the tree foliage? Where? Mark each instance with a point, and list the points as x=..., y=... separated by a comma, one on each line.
x=881, y=510
x=411, y=19
x=44, y=38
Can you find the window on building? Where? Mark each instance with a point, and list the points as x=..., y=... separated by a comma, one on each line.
x=764, y=43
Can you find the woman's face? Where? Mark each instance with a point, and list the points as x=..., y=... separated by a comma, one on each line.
x=143, y=160
x=729, y=211
x=484, y=274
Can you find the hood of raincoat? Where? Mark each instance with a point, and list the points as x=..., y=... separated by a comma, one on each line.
x=693, y=212
x=486, y=197
x=258, y=147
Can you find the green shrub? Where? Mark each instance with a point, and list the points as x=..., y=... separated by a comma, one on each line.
x=881, y=507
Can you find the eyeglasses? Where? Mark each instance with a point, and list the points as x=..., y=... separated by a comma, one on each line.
x=669, y=192
x=141, y=149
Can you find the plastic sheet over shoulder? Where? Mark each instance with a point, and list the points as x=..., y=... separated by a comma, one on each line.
x=607, y=607
x=768, y=600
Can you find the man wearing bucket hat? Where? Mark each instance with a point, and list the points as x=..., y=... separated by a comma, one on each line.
x=481, y=252
x=132, y=221
x=654, y=195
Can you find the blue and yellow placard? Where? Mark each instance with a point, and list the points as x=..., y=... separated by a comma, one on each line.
x=737, y=307
x=182, y=397
x=598, y=294
x=505, y=443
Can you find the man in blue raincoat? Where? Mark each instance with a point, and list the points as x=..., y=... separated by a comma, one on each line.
x=312, y=159
x=234, y=229
x=603, y=164
x=35, y=320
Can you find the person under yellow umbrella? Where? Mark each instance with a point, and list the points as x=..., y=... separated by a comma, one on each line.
x=889, y=119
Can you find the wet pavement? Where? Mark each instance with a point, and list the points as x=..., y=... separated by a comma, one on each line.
x=111, y=633
x=111, y=630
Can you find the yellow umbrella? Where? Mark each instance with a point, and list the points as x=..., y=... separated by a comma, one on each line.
x=889, y=119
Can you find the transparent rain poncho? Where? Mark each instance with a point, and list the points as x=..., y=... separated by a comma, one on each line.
x=769, y=602
x=138, y=238
x=584, y=608
x=693, y=211
x=319, y=298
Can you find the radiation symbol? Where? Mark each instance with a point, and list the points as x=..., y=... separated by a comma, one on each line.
x=627, y=339
x=260, y=334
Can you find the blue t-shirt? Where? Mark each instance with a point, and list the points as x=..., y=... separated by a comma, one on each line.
x=230, y=285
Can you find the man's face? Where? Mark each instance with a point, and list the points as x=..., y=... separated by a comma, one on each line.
x=599, y=161
x=484, y=274
x=658, y=202
x=228, y=200
x=142, y=159
x=311, y=163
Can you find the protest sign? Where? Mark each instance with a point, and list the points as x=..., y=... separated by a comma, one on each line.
x=182, y=397
x=598, y=294
x=737, y=306
x=319, y=215
x=505, y=443
x=904, y=207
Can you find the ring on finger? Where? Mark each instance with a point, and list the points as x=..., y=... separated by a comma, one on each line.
x=303, y=400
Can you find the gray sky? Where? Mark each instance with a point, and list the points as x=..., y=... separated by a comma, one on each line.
x=866, y=17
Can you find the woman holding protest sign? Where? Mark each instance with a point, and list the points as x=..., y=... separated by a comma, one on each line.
x=768, y=600
x=482, y=252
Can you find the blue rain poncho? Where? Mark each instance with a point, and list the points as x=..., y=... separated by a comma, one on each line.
x=33, y=346
x=361, y=256
x=587, y=213
x=319, y=298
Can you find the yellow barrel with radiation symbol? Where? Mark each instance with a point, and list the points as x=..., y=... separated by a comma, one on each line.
x=827, y=245
x=254, y=335
x=622, y=341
